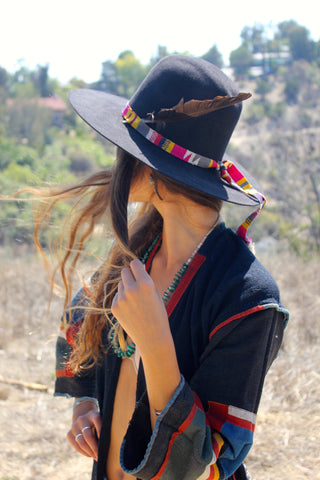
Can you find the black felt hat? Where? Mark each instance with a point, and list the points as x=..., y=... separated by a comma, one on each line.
x=173, y=79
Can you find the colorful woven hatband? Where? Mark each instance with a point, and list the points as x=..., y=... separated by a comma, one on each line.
x=228, y=171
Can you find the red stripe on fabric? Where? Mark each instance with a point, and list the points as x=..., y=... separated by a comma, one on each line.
x=213, y=472
x=64, y=373
x=152, y=253
x=240, y=422
x=198, y=401
x=184, y=282
x=157, y=139
x=182, y=428
x=236, y=317
x=86, y=290
x=71, y=333
x=216, y=445
x=217, y=415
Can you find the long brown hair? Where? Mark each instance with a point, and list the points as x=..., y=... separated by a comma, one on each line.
x=100, y=197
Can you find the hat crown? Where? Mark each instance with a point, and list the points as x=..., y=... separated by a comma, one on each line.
x=179, y=77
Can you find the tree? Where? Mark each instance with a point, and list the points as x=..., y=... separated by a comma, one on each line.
x=294, y=186
x=301, y=46
x=298, y=78
x=214, y=56
x=254, y=38
x=130, y=73
x=109, y=81
x=121, y=77
x=297, y=37
x=317, y=53
x=29, y=122
x=241, y=60
x=285, y=28
x=41, y=81
x=4, y=86
x=22, y=84
x=3, y=77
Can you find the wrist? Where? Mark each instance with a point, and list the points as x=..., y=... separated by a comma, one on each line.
x=81, y=400
x=162, y=348
x=83, y=405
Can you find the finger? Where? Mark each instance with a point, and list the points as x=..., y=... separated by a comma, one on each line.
x=81, y=441
x=89, y=449
x=91, y=443
x=84, y=446
x=138, y=270
x=90, y=427
x=127, y=277
x=114, y=304
x=72, y=440
x=120, y=292
x=95, y=418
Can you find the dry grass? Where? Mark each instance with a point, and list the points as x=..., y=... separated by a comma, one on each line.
x=33, y=424
x=287, y=438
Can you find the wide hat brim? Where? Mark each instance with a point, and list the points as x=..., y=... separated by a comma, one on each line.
x=103, y=112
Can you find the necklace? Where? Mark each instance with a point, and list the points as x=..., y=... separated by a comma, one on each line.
x=166, y=295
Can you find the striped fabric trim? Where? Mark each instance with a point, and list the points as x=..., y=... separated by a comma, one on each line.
x=65, y=373
x=228, y=171
x=211, y=472
x=234, y=424
x=258, y=308
x=184, y=282
x=242, y=418
x=164, y=143
x=182, y=428
x=220, y=414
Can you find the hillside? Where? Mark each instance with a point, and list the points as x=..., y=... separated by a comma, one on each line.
x=278, y=141
x=34, y=423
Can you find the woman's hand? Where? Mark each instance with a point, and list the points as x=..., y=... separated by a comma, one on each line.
x=86, y=426
x=140, y=310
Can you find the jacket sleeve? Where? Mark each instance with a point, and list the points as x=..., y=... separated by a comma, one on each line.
x=67, y=383
x=206, y=429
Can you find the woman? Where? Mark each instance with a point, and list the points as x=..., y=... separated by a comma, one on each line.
x=167, y=349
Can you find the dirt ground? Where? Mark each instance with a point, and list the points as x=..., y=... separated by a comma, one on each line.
x=33, y=423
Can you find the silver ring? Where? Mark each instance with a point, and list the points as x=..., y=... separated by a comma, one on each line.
x=77, y=436
x=85, y=428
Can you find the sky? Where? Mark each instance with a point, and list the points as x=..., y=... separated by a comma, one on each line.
x=74, y=36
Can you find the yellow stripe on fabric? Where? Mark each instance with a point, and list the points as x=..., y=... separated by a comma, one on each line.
x=215, y=473
x=136, y=122
x=219, y=440
x=243, y=182
x=167, y=145
x=130, y=116
x=170, y=148
x=247, y=223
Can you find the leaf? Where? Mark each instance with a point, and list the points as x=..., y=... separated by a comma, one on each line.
x=197, y=108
